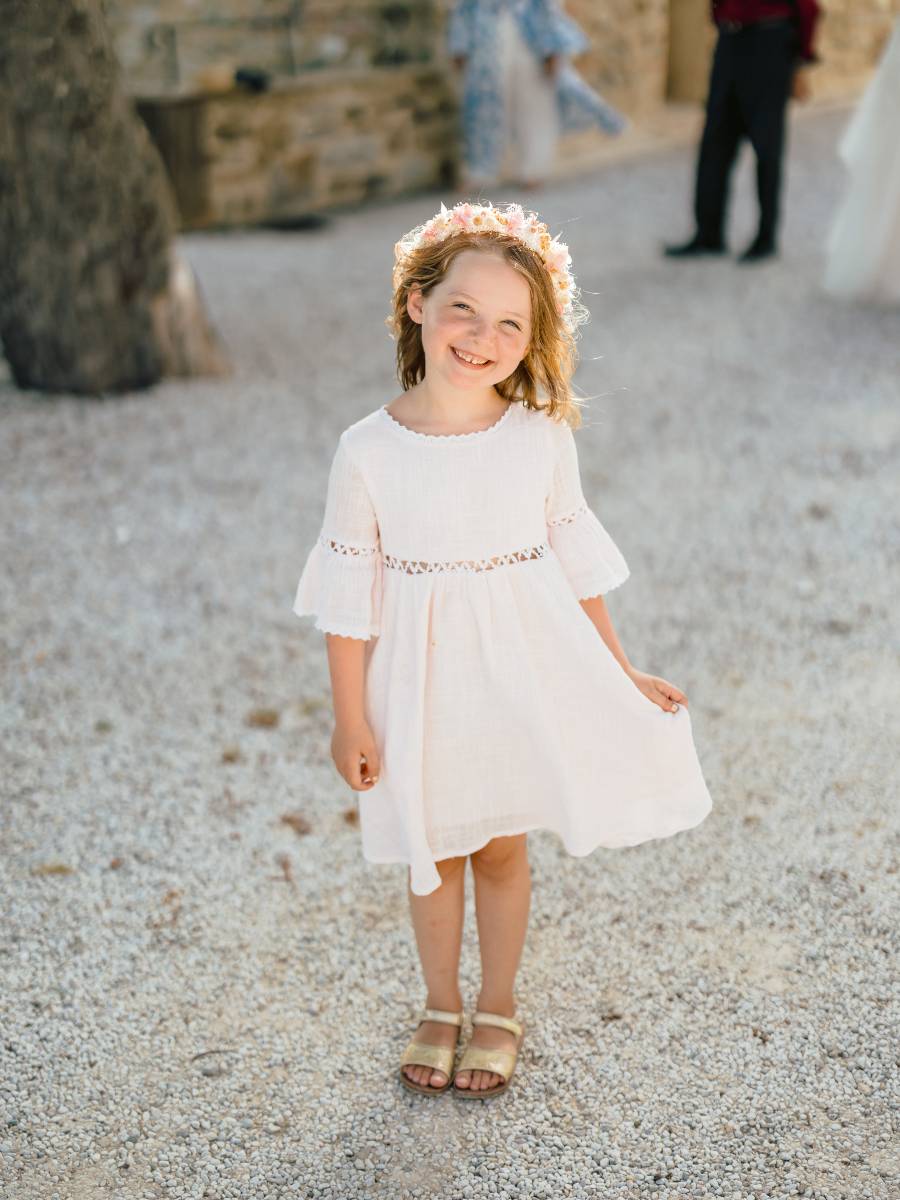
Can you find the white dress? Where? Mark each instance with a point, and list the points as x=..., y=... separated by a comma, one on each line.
x=496, y=705
x=530, y=105
x=863, y=259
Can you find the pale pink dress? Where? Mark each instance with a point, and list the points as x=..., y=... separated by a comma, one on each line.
x=495, y=703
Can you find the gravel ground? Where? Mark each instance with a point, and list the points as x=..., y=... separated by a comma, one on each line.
x=201, y=999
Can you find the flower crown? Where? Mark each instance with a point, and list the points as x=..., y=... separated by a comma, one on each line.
x=512, y=221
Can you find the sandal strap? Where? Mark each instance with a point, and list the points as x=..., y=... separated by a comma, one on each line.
x=499, y=1062
x=485, y=1018
x=443, y=1017
x=421, y=1054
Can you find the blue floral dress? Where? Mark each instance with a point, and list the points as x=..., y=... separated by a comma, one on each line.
x=473, y=33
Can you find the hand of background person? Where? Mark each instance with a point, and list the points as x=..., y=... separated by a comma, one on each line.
x=800, y=85
x=459, y=61
x=356, y=755
x=660, y=691
x=551, y=65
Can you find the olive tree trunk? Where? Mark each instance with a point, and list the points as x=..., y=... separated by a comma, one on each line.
x=93, y=297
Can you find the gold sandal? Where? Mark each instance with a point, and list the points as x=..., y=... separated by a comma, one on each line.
x=424, y=1054
x=500, y=1062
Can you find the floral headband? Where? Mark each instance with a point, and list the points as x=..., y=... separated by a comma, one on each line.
x=512, y=221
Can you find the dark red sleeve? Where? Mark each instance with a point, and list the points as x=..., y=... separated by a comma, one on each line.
x=808, y=16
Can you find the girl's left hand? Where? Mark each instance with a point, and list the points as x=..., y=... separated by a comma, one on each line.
x=660, y=691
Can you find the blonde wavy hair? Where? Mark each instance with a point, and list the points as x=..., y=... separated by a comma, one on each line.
x=543, y=379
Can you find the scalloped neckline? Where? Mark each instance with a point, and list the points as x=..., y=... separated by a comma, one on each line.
x=448, y=437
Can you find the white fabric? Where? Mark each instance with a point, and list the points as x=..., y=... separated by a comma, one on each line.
x=530, y=108
x=531, y=104
x=495, y=703
x=863, y=261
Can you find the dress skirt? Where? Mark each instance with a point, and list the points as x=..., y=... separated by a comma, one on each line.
x=863, y=249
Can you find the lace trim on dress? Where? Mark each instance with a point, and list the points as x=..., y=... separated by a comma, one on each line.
x=414, y=567
x=449, y=437
x=326, y=625
x=344, y=548
x=570, y=517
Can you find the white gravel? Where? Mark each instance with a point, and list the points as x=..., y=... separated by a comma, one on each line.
x=220, y=1014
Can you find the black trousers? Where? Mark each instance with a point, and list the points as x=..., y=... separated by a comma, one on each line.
x=748, y=93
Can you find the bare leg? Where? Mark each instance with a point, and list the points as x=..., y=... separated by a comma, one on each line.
x=438, y=923
x=502, y=900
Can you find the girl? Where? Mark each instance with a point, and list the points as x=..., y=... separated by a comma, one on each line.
x=479, y=688
x=519, y=86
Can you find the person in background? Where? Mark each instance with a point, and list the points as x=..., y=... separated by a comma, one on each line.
x=762, y=57
x=863, y=254
x=519, y=88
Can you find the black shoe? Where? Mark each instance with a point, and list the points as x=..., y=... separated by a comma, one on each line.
x=758, y=251
x=695, y=248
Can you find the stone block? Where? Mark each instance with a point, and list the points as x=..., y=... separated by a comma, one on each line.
x=216, y=12
x=147, y=52
x=357, y=152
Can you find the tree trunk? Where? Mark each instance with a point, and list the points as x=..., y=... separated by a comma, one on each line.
x=93, y=297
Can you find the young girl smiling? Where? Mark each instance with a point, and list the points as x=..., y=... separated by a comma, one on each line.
x=479, y=688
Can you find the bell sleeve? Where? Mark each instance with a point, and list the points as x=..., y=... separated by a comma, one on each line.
x=589, y=557
x=341, y=582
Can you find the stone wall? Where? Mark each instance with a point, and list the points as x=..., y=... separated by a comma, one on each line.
x=627, y=60
x=363, y=98
x=169, y=46
x=316, y=142
x=631, y=59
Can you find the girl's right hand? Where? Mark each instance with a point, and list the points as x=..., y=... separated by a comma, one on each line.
x=800, y=88
x=356, y=755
